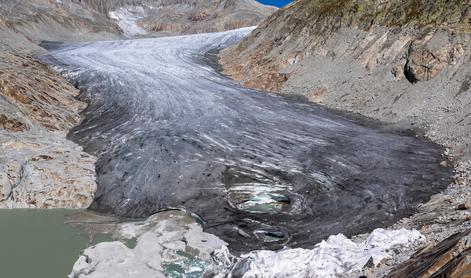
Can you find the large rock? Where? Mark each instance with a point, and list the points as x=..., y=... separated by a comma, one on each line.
x=450, y=258
x=424, y=64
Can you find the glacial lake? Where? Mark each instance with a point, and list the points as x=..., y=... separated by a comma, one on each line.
x=38, y=243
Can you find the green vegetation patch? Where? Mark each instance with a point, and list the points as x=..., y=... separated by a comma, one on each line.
x=447, y=14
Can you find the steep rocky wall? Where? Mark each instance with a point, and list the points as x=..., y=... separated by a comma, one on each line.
x=39, y=167
x=403, y=62
x=105, y=6
x=85, y=20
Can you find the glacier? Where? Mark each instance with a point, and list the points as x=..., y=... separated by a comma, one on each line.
x=261, y=171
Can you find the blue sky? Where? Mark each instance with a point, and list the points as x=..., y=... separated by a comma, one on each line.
x=278, y=3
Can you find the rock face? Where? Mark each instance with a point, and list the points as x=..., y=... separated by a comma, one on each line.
x=72, y=20
x=404, y=62
x=38, y=166
x=450, y=258
x=424, y=64
x=39, y=93
x=38, y=20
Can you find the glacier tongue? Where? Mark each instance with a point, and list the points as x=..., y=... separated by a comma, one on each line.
x=329, y=258
x=262, y=171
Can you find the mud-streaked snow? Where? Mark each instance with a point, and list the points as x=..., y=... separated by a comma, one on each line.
x=163, y=243
x=335, y=256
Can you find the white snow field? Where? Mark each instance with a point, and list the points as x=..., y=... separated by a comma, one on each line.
x=337, y=256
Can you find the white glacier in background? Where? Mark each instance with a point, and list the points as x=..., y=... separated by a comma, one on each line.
x=329, y=258
x=127, y=18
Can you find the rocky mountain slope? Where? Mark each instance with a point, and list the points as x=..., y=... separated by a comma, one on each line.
x=39, y=167
x=404, y=62
x=397, y=61
x=38, y=20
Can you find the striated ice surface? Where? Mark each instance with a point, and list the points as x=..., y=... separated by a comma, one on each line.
x=329, y=258
x=262, y=171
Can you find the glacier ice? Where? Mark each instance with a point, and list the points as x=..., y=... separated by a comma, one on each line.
x=262, y=171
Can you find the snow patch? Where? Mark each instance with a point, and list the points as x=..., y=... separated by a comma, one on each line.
x=329, y=258
x=169, y=244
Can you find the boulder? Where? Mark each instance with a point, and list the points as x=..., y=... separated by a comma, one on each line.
x=450, y=258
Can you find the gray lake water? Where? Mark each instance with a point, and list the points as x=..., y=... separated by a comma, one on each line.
x=38, y=243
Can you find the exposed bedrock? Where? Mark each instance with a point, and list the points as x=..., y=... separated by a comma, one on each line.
x=262, y=171
x=23, y=25
x=39, y=167
x=450, y=258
